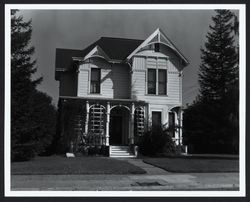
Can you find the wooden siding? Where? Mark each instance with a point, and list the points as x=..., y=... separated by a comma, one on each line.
x=83, y=80
x=139, y=78
x=121, y=81
x=114, y=80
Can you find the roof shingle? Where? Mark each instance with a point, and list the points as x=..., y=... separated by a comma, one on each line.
x=115, y=48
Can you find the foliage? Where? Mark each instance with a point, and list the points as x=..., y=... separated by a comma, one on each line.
x=70, y=125
x=156, y=141
x=219, y=67
x=211, y=123
x=32, y=114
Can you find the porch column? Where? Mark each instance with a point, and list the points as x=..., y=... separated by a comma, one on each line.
x=132, y=123
x=107, y=123
x=176, y=130
x=180, y=125
x=87, y=117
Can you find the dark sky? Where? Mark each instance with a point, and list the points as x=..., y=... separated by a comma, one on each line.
x=76, y=29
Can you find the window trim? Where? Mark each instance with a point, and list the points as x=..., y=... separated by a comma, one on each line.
x=90, y=72
x=157, y=81
x=158, y=70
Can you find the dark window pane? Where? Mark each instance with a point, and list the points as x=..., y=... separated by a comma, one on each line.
x=151, y=81
x=95, y=80
x=162, y=82
x=156, y=120
x=95, y=74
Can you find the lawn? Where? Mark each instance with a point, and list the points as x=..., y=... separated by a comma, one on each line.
x=192, y=165
x=57, y=165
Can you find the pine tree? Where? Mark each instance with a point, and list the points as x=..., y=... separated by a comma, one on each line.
x=30, y=109
x=218, y=70
x=211, y=123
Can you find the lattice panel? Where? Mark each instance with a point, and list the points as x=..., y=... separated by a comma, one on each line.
x=97, y=120
x=139, y=121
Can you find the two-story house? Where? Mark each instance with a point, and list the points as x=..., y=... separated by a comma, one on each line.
x=120, y=88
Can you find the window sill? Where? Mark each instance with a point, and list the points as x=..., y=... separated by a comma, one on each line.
x=94, y=94
x=156, y=95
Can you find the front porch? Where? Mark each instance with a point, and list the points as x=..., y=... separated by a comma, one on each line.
x=100, y=123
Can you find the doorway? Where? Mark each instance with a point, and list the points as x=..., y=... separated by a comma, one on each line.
x=119, y=126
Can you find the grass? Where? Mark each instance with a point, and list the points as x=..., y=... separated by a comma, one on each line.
x=193, y=165
x=57, y=165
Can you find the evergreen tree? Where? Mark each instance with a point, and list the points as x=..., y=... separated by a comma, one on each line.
x=26, y=126
x=218, y=70
x=211, y=123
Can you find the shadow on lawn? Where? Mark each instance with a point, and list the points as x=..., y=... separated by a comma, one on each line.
x=196, y=164
x=58, y=165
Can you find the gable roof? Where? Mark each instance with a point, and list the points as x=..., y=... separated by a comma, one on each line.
x=115, y=49
x=159, y=37
x=64, y=57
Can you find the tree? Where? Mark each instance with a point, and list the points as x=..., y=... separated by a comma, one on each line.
x=26, y=127
x=218, y=70
x=211, y=123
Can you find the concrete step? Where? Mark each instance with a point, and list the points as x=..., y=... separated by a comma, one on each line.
x=120, y=151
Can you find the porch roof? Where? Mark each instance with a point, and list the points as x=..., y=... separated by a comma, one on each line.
x=98, y=99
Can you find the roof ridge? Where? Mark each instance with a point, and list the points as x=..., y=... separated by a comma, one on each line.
x=70, y=49
x=121, y=38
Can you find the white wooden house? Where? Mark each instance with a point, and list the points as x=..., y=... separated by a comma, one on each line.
x=122, y=87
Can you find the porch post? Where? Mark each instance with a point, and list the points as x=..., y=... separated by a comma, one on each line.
x=132, y=123
x=176, y=132
x=180, y=125
x=107, y=123
x=87, y=117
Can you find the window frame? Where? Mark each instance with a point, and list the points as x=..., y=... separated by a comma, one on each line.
x=155, y=83
x=90, y=89
x=165, y=83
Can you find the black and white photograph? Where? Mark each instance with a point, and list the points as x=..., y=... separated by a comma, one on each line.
x=125, y=100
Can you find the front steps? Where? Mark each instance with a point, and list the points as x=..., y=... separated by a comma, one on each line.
x=121, y=152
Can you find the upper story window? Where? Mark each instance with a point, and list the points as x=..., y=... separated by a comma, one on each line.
x=157, y=85
x=151, y=81
x=95, y=80
x=162, y=82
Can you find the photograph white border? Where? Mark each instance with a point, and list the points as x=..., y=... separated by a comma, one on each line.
x=242, y=115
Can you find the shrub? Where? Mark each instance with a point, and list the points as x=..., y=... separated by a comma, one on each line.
x=157, y=141
x=23, y=152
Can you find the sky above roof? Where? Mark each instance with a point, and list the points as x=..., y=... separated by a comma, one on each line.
x=76, y=29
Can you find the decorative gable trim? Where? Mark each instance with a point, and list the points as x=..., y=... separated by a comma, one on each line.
x=158, y=37
x=97, y=52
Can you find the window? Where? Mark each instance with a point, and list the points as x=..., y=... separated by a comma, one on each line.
x=157, y=47
x=162, y=82
x=156, y=119
x=151, y=81
x=95, y=80
x=157, y=85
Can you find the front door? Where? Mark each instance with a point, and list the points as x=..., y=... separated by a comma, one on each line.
x=116, y=130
